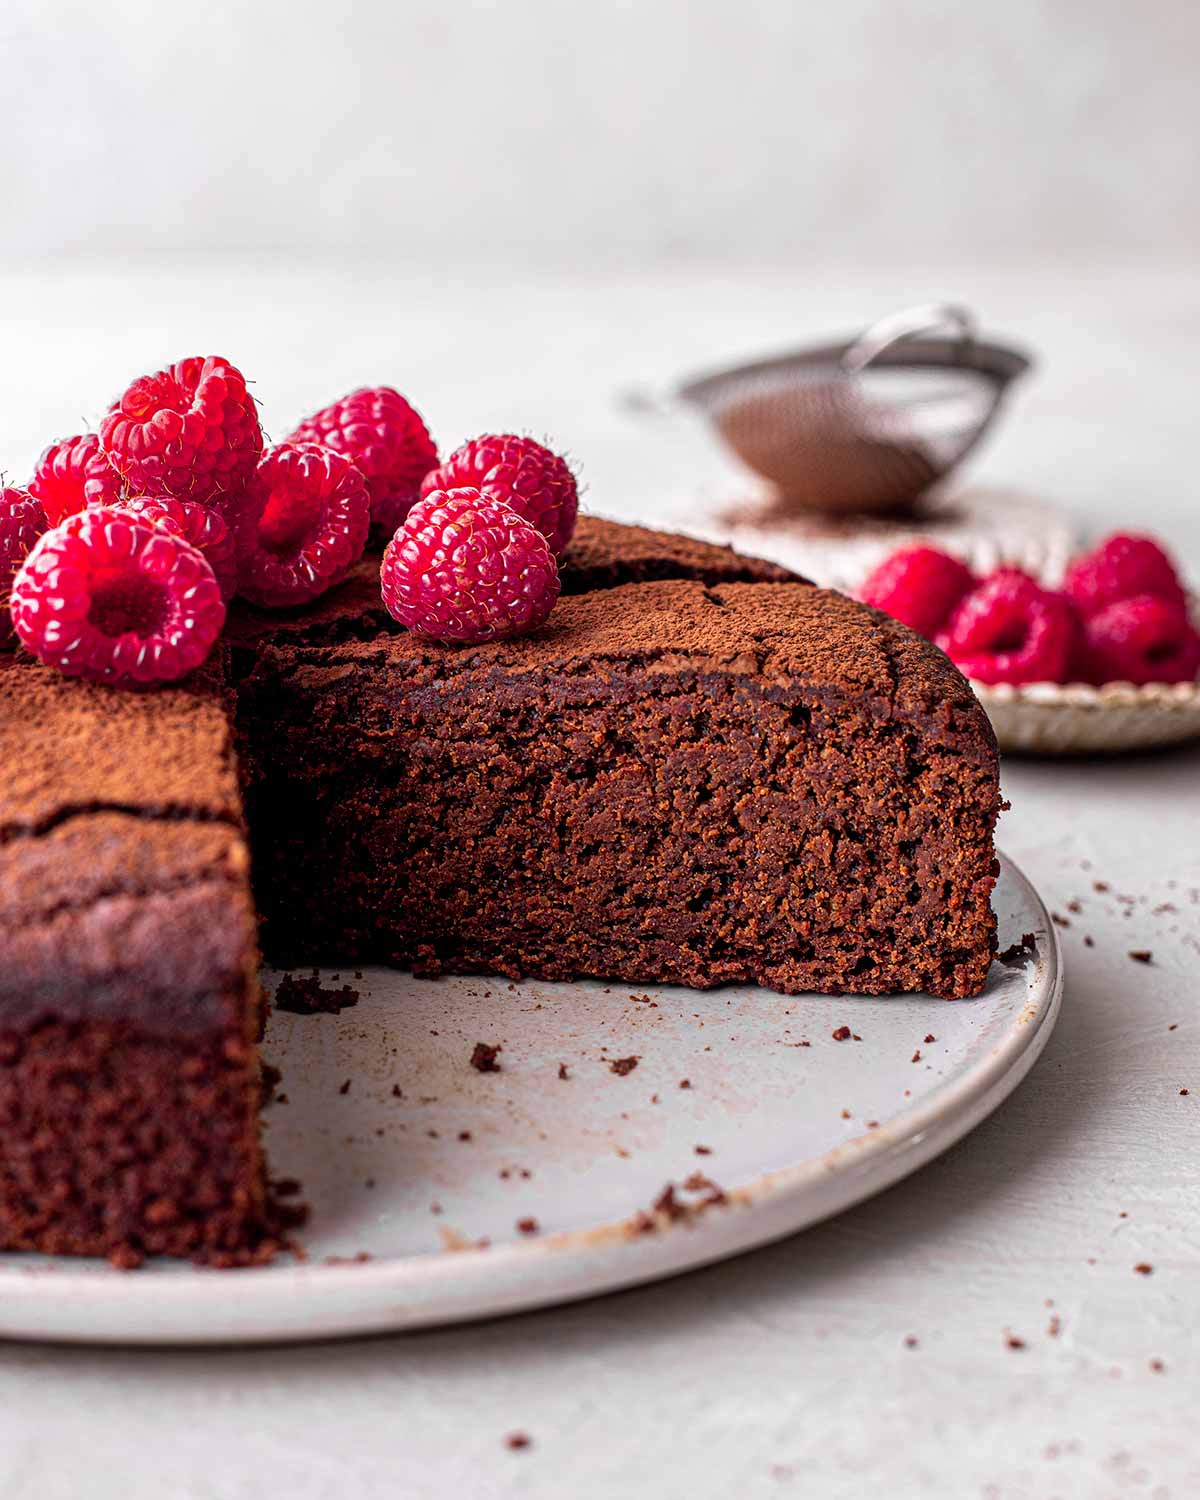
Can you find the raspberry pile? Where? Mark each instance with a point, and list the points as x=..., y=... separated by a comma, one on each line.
x=1120, y=616
x=118, y=560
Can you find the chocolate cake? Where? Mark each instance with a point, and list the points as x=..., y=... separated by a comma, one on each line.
x=696, y=772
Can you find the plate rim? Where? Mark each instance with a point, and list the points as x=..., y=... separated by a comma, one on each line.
x=53, y=1304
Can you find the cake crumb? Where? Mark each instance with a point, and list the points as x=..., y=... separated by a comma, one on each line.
x=916, y=1057
x=1014, y=1341
x=345, y=1088
x=685, y=1083
x=1054, y=1326
x=397, y=1092
x=483, y=1058
x=1016, y=955
x=306, y=996
x=1141, y=955
x=929, y=1037
x=1144, y=1268
x=527, y=1225
x=562, y=1073
x=842, y=1034
x=622, y=1066
x=910, y=1341
x=517, y=1441
x=707, y=1150
x=1157, y=1366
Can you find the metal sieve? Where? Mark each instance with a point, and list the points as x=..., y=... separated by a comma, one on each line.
x=864, y=424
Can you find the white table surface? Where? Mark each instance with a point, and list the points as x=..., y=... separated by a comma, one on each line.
x=786, y=1371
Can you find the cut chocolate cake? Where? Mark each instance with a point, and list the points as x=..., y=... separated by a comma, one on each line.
x=696, y=772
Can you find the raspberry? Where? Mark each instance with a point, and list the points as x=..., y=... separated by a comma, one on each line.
x=1143, y=639
x=204, y=528
x=535, y=482
x=1009, y=629
x=21, y=523
x=107, y=597
x=190, y=431
x=466, y=567
x=385, y=439
x=71, y=474
x=919, y=586
x=1120, y=567
x=301, y=526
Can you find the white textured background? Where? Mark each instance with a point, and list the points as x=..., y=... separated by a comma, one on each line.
x=622, y=130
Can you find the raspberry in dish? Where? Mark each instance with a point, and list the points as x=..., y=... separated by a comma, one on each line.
x=1142, y=639
x=113, y=599
x=525, y=474
x=1121, y=567
x=301, y=525
x=465, y=567
x=919, y=586
x=1010, y=629
x=198, y=524
x=72, y=474
x=21, y=523
x=190, y=431
x=386, y=440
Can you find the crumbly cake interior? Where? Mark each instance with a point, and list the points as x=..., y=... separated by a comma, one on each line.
x=667, y=782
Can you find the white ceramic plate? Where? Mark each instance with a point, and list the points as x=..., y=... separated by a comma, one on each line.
x=791, y=1133
x=1044, y=718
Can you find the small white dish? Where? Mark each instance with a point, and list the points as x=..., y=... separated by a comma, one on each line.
x=561, y=1176
x=1048, y=718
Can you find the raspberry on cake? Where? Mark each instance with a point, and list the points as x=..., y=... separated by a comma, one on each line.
x=466, y=567
x=72, y=474
x=21, y=523
x=301, y=525
x=198, y=524
x=108, y=597
x=919, y=586
x=1010, y=629
x=190, y=431
x=385, y=439
x=524, y=474
x=1142, y=639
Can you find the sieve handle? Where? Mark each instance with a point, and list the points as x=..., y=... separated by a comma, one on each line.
x=928, y=317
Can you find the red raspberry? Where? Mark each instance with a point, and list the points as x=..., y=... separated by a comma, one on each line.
x=71, y=474
x=535, y=482
x=1009, y=629
x=302, y=525
x=190, y=431
x=919, y=586
x=107, y=597
x=21, y=523
x=385, y=439
x=198, y=524
x=1143, y=639
x=1120, y=567
x=466, y=567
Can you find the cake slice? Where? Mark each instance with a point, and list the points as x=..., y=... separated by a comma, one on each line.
x=129, y=1000
x=668, y=782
